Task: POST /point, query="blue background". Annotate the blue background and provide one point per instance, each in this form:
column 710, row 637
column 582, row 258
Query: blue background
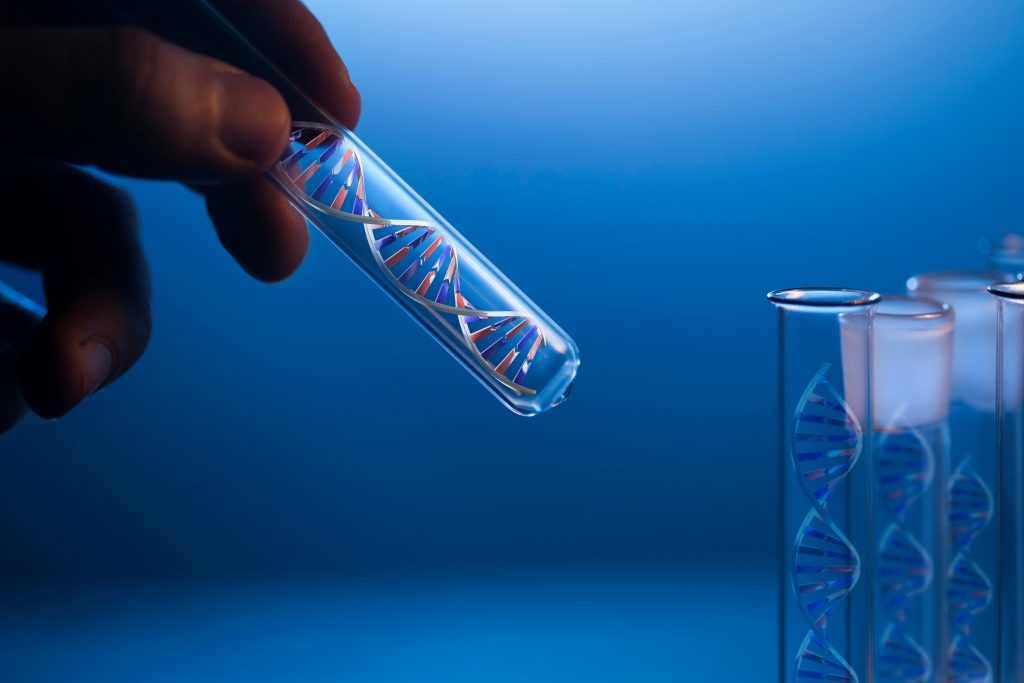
column 645, row 172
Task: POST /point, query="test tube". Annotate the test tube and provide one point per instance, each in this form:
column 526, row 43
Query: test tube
column 428, row 268
column 1010, row 393
column 400, row 242
column 973, row 477
column 825, row 589
column 912, row 366
column 1005, row 253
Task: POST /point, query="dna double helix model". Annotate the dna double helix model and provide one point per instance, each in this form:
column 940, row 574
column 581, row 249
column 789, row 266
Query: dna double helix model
column 826, row 444
column 906, row 469
column 417, row 258
column 971, row 507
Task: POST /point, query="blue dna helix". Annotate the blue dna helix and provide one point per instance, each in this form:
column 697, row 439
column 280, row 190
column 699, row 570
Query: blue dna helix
column 826, row 444
column 906, row 469
column 971, row 508
column 416, row 258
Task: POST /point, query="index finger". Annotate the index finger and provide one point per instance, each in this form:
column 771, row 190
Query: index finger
column 295, row 42
column 277, row 40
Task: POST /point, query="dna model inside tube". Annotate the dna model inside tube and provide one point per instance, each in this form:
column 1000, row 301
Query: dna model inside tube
column 427, row 267
column 972, row 482
column 912, row 369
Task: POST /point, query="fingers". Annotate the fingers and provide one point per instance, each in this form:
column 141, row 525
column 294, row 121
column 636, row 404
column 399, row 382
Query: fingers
column 170, row 117
column 293, row 39
column 285, row 31
column 253, row 218
column 96, row 284
column 130, row 102
column 258, row 227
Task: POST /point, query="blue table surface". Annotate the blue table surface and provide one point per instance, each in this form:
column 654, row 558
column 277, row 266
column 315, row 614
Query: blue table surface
column 625, row 626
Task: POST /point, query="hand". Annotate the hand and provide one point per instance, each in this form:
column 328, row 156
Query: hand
column 149, row 89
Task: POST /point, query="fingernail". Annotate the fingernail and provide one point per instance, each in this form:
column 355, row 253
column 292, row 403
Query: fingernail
column 254, row 118
column 97, row 361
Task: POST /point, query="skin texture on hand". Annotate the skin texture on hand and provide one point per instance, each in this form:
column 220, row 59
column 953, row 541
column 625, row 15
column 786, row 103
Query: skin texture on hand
column 157, row 90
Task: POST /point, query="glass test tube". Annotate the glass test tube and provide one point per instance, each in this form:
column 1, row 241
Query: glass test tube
column 1005, row 253
column 912, row 366
column 1010, row 388
column 430, row 270
column 972, row 480
column 825, row 593
column 333, row 179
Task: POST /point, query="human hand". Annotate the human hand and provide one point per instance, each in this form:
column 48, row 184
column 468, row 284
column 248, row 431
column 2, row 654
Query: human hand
column 150, row 90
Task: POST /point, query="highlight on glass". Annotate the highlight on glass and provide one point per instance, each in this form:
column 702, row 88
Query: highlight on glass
column 912, row 370
column 972, row 572
column 826, row 474
column 1010, row 395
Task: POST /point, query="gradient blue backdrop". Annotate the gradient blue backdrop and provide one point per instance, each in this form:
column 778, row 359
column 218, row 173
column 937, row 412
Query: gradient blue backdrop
column 645, row 171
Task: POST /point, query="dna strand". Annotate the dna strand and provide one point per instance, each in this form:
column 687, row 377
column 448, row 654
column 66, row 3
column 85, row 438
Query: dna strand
column 326, row 171
column 826, row 444
column 906, row 468
column 971, row 507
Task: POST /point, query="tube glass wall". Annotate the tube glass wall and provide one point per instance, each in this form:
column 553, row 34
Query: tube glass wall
column 912, row 366
column 1010, row 387
column 825, row 592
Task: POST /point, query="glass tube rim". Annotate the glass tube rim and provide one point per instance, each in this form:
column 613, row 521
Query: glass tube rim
column 1011, row 292
column 956, row 280
column 933, row 310
column 824, row 297
column 1008, row 247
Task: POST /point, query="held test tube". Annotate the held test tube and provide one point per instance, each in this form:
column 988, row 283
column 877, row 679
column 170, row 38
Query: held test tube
column 418, row 259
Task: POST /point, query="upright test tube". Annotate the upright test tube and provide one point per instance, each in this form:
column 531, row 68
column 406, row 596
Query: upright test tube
column 825, row 592
column 1010, row 392
column 1005, row 253
column 912, row 364
column 972, row 574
